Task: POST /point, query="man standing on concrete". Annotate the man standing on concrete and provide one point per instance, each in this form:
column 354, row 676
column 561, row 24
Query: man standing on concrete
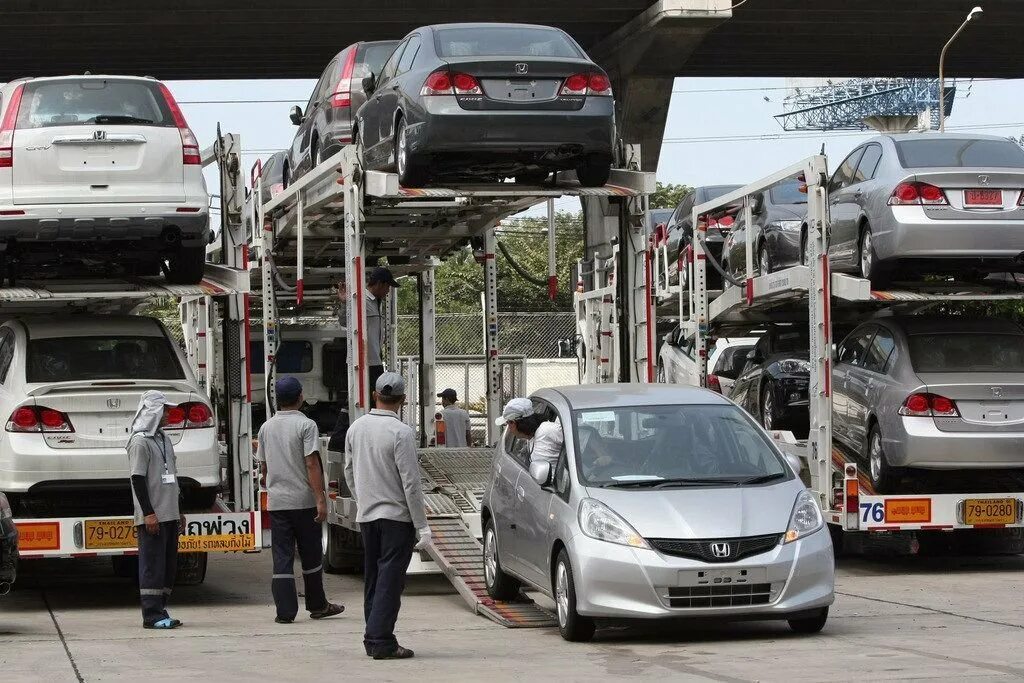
column 456, row 420
column 382, row 471
column 154, row 479
column 289, row 455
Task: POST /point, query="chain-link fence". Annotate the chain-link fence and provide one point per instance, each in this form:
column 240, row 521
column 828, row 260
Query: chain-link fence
column 533, row 335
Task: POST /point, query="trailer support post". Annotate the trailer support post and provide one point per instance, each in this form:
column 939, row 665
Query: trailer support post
column 491, row 333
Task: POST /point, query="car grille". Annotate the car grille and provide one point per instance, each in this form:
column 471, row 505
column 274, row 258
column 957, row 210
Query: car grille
column 704, row 549
column 734, row 595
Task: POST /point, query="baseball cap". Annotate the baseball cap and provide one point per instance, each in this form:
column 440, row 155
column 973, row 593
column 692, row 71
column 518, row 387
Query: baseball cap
column 449, row 394
column 516, row 409
column 287, row 389
column 381, row 274
column 390, row 384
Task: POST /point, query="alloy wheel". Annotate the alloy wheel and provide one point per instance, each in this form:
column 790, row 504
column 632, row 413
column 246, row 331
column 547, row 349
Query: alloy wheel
column 866, row 254
column 768, row 410
column 490, row 558
column 875, row 457
column 763, row 262
column 562, row 594
column 402, row 156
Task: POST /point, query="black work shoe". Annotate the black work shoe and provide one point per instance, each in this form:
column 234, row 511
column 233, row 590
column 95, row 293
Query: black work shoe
column 369, row 652
column 282, row 620
column 329, row 611
column 398, row 652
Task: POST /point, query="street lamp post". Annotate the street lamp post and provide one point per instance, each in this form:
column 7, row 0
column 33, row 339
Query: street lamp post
column 942, row 65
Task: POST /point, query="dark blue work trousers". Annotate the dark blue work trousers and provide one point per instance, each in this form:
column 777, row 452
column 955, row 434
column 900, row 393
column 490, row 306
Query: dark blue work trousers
column 388, row 547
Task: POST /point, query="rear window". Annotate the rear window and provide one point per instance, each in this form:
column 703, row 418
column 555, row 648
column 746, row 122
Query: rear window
column 716, row 191
column 971, row 352
column 76, row 359
column 293, row 357
column 92, row 102
column 791, row 341
column 371, row 59
column 787, row 192
column 504, row 41
column 960, row 153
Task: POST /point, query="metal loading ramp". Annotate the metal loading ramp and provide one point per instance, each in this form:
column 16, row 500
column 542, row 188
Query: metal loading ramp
column 454, row 480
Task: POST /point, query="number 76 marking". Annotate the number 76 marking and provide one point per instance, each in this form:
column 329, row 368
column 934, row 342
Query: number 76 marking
column 876, row 512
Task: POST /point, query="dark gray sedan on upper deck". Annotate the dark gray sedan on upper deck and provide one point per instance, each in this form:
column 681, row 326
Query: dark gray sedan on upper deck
column 488, row 101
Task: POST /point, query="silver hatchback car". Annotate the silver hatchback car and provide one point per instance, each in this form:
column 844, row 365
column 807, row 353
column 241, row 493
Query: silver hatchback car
column 666, row 502
column 932, row 392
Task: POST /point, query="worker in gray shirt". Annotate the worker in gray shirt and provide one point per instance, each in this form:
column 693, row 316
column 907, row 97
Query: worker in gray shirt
column 158, row 519
column 456, row 420
column 383, row 473
column 289, row 455
column 379, row 282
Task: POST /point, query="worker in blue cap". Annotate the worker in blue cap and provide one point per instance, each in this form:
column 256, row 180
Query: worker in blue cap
column 289, row 455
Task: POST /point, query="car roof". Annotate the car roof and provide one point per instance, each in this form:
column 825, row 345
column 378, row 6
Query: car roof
column 120, row 77
column 48, row 327
column 901, row 137
column 951, row 324
column 491, row 24
column 582, row 396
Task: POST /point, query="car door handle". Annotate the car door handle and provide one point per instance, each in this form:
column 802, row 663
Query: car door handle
column 520, row 492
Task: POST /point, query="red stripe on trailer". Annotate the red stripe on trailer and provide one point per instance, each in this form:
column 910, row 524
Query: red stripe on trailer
column 606, row 333
column 245, row 258
column 936, row 527
column 200, row 334
column 885, row 528
column 248, row 346
column 750, row 291
column 85, row 554
column 202, row 366
column 299, row 291
column 488, row 257
column 988, row 526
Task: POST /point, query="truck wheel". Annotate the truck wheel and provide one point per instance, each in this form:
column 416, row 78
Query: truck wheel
column 186, row 266
column 344, row 551
column 500, row 585
column 882, row 475
column 191, row 569
column 810, row 625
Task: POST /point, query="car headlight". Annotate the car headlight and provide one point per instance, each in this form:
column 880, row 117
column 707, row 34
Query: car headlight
column 5, row 508
column 806, row 518
column 794, row 367
column 789, row 225
column 598, row 521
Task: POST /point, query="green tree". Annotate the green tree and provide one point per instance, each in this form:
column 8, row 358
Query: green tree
column 668, row 195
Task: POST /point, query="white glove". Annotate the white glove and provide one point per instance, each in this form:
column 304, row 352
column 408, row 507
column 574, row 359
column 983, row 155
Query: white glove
column 424, row 541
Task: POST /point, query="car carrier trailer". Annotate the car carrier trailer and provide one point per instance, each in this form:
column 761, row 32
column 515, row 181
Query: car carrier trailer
column 338, row 220
column 811, row 294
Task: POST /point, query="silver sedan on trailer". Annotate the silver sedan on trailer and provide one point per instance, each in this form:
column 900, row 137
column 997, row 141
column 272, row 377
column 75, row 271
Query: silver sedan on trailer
column 665, row 502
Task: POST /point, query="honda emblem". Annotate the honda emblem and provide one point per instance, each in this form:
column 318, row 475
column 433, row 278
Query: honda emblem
column 522, row 68
column 983, row 179
column 721, row 550
column 99, row 135
column 997, row 392
column 113, row 403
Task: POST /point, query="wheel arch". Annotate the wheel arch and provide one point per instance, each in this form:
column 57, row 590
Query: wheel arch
column 556, row 549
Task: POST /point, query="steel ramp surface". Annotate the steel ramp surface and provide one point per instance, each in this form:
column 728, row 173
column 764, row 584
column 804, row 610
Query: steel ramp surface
column 460, row 556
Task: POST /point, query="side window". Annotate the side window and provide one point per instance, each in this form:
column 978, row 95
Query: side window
column 844, row 176
column 6, row 354
column 854, row 349
column 879, row 351
column 685, row 208
column 316, row 95
column 517, row 448
column 411, row 49
column 391, row 66
column 868, row 163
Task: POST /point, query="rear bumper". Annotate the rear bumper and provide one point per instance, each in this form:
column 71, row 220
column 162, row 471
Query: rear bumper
column 917, row 442
column 910, row 233
column 448, row 128
column 93, row 222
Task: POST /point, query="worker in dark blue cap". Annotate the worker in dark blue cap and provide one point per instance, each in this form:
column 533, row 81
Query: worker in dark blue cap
column 379, row 282
column 289, row 455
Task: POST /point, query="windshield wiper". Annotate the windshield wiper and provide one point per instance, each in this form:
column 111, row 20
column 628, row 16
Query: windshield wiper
column 762, row 478
column 117, row 118
column 661, row 483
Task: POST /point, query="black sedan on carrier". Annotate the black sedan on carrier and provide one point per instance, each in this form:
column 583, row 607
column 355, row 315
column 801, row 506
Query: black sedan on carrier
column 8, row 546
column 488, row 101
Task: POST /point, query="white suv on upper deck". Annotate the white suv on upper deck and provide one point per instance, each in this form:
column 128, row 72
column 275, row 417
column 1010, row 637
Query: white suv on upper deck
column 100, row 169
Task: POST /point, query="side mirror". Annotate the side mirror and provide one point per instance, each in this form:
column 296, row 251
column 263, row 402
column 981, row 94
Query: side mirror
column 295, row 114
column 794, row 462
column 754, row 357
column 541, row 472
column 758, row 203
column 369, row 84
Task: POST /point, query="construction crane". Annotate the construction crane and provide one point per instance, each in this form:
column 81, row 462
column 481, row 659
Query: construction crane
column 866, row 103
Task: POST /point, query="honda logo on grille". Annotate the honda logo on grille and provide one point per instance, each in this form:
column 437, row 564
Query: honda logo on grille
column 114, row 403
column 99, row 135
column 522, row 68
column 721, row 550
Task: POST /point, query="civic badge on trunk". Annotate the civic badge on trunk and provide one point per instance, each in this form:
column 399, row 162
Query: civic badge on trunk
column 113, row 403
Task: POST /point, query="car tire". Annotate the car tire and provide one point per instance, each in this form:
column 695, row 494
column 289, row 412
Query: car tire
column 185, row 267
column 810, row 625
column 868, row 264
column 314, row 154
column 343, row 553
column 500, row 585
column 573, row 626
column 410, row 173
column 593, row 171
column 286, row 176
column 882, row 475
column 769, row 419
column 357, row 136
column 764, row 260
column 803, row 248
column 191, row 569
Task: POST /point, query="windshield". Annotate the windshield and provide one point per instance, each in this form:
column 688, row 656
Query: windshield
column 663, row 445
column 791, row 341
column 937, row 153
column 967, row 352
column 92, row 101
column 788, row 192
column 76, row 359
column 504, row 41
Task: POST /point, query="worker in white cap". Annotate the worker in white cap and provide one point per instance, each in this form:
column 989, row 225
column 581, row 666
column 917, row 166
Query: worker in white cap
column 545, row 438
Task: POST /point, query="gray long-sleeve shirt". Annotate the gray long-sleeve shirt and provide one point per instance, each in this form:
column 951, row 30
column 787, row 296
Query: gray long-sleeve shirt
column 376, row 327
column 382, row 469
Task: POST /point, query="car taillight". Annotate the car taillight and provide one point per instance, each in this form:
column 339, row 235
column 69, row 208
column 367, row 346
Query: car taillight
column 199, row 415
column 600, row 85
column 7, row 127
column 175, row 417
column 466, row 85
column 342, row 96
column 575, row 85
column 189, row 145
column 917, row 193
column 714, row 384
column 437, row 83
column 928, row 405
column 38, row 419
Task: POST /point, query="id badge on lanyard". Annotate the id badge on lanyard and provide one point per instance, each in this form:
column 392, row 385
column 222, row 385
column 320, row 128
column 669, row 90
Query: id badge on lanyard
column 166, row 477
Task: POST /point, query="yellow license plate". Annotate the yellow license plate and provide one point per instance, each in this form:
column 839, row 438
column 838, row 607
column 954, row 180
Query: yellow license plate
column 106, row 534
column 990, row 511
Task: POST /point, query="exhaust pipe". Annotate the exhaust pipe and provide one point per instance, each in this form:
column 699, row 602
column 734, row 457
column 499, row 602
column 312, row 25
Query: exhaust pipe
column 5, row 587
column 172, row 235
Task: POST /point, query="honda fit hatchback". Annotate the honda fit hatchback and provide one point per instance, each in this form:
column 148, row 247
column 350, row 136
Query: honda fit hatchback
column 100, row 170
column 665, row 502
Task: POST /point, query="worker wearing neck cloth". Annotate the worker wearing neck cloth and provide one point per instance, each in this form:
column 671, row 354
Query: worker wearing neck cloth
column 158, row 519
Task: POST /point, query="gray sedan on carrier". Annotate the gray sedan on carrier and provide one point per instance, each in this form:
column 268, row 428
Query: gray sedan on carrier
column 665, row 502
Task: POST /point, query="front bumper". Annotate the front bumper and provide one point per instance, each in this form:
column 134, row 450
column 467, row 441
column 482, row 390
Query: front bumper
column 911, row 233
column 448, row 128
column 918, row 442
column 107, row 222
column 26, row 461
column 615, row 581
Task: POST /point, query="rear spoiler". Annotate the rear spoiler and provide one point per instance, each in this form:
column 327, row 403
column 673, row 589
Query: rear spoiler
column 107, row 385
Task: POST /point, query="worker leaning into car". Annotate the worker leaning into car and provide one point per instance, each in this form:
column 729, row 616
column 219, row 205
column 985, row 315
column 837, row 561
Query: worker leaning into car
column 158, row 519
column 545, row 438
